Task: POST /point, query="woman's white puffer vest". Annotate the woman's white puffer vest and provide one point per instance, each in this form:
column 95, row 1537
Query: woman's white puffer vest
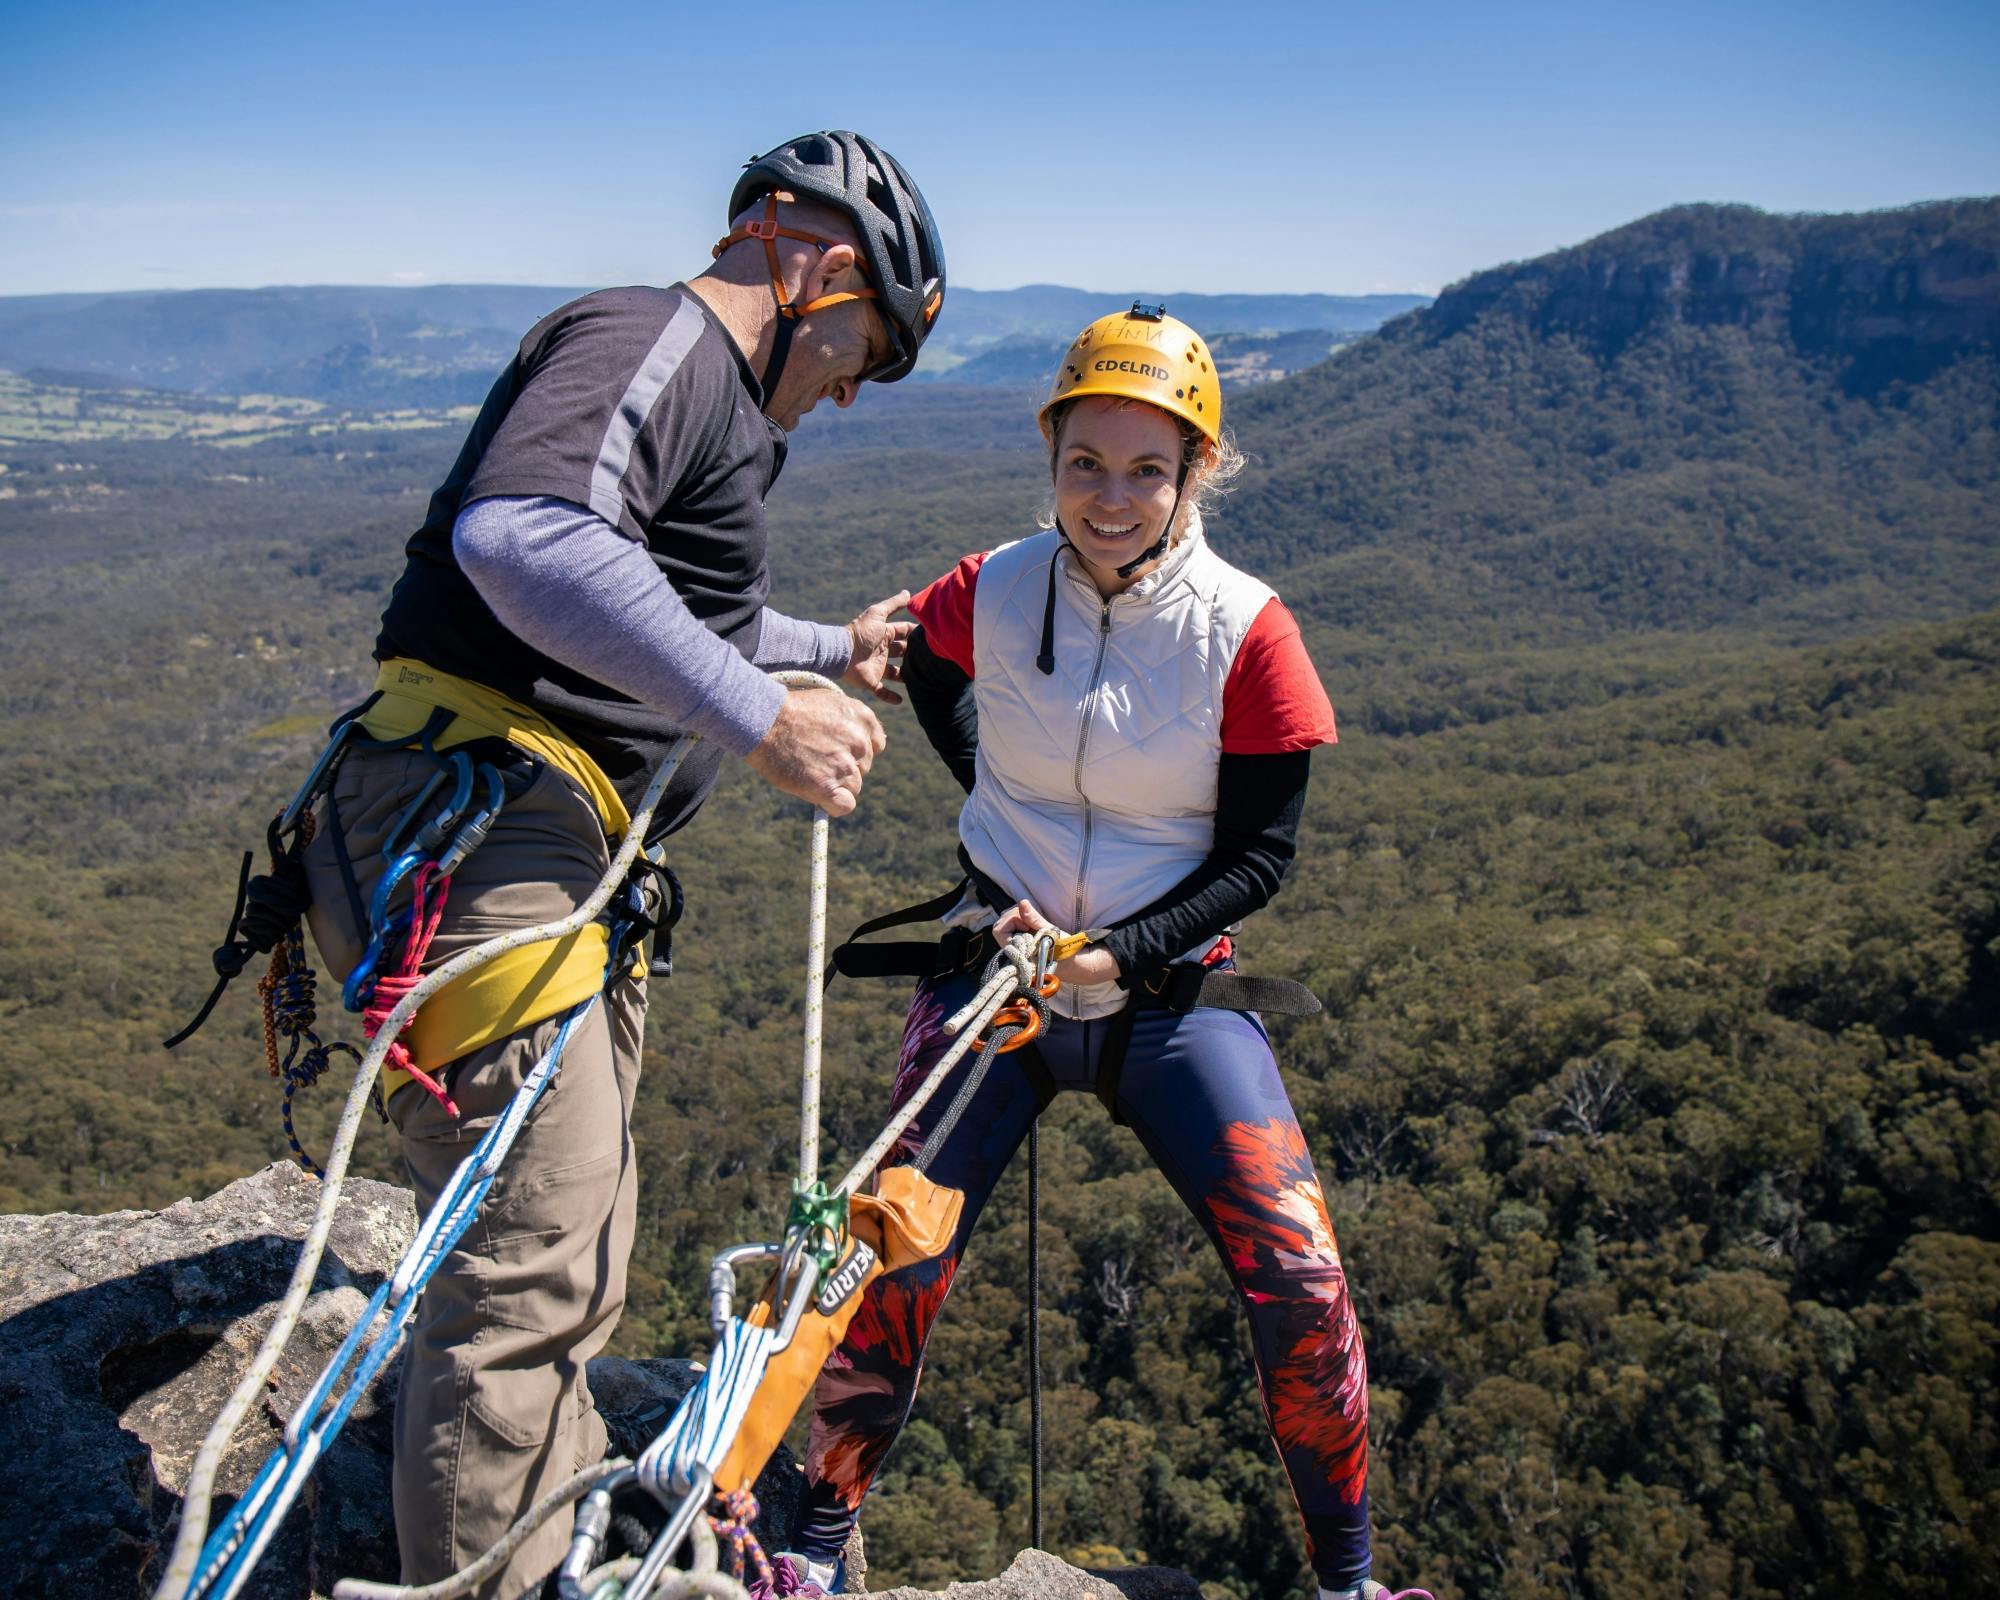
column 1096, row 784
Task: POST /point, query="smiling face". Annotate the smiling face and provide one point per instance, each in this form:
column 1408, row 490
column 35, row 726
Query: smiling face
column 1117, row 463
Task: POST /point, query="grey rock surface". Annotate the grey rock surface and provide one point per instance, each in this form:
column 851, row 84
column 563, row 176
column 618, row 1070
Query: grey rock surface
column 1036, row 1575
column 122, row 1335
column 120, row 1338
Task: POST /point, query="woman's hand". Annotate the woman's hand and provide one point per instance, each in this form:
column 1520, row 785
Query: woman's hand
column 1092, row 964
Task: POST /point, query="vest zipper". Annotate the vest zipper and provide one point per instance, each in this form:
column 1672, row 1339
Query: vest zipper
column 1076, row 776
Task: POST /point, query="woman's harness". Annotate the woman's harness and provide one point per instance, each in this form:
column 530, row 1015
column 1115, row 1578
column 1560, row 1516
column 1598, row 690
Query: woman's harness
column 1179, row 987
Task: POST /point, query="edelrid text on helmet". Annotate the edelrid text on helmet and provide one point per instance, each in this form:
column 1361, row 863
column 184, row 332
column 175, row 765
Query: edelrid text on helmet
column 1141, row 354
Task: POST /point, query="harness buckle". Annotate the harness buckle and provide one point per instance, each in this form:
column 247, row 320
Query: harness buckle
column 766, row 229
column 1182, row 990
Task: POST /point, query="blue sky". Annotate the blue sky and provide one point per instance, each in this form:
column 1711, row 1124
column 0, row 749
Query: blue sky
column 1199, row 147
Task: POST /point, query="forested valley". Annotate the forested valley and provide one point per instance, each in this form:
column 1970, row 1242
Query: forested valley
column 1653, row 890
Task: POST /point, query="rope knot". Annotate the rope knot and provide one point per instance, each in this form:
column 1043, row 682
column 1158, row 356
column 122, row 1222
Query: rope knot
column 737, row 1510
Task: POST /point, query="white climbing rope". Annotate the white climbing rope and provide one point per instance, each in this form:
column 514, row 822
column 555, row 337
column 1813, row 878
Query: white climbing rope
column 977, row 1012
column 682, row 1460
column 468, row 1578
column 177, row 1583
column 815, row 971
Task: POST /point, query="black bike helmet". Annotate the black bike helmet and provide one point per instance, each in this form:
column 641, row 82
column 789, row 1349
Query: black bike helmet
column 899, row 237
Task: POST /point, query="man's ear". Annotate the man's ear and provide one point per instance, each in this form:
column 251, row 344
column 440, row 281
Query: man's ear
column 832, row 264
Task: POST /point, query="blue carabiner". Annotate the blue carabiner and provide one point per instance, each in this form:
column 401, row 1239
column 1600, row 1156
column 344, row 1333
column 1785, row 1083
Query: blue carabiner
column 382, row 928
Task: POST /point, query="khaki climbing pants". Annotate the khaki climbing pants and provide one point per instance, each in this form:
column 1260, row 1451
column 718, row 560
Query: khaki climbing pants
column 493, row 1409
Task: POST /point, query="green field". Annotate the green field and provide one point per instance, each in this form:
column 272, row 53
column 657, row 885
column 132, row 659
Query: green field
column 33, row 412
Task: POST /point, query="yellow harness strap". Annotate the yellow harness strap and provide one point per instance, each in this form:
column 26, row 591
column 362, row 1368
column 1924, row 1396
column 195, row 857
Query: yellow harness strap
column 523, row 986
column 908, row 1219
column 411, row 691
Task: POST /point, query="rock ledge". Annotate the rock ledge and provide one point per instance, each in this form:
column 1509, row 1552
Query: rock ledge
column 122, row 1335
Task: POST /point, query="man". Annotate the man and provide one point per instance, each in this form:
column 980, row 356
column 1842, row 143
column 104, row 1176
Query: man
column 590, row 581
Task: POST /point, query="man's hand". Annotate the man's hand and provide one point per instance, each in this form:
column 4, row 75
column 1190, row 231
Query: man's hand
column 820, row 749
column 1091, row 964
column 878, row 646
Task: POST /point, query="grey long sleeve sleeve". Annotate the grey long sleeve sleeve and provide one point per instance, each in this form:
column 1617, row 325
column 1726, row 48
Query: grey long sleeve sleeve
column 567, row 582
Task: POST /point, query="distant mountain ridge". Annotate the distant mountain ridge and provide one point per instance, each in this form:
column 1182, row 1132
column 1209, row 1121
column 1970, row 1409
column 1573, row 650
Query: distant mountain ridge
column 442, row 344
column 1711, row 417
column 1896, row 294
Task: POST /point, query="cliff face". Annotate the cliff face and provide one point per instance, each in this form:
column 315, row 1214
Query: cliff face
column 121, row 1336
column 1888, row 296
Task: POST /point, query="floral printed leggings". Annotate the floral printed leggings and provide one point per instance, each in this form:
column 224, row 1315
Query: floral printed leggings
column 1202, row 1092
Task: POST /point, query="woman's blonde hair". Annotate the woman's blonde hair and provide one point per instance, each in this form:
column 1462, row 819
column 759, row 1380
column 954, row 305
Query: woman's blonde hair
column 1212, row 467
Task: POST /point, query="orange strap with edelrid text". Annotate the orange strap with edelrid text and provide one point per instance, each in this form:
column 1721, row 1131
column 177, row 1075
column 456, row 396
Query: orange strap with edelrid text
column 906, row 1220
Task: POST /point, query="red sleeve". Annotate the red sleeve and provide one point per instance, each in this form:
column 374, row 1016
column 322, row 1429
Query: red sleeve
column 1272, row 700
column 945, row 612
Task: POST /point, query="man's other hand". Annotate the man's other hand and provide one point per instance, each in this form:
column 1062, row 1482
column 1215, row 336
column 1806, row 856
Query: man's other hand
column 820, row 748
column 878, row 647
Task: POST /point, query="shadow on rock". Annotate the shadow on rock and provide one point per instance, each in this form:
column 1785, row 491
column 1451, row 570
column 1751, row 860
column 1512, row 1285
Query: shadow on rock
column 120, row 1338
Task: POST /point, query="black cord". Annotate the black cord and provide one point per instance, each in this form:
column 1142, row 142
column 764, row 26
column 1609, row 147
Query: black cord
column 1035, row 1328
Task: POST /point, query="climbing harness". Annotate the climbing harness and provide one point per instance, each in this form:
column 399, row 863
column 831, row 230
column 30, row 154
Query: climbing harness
column 202, row 1564
column 1180, row 986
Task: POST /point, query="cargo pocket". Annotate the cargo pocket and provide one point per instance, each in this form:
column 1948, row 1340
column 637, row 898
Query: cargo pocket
column 520, row 1408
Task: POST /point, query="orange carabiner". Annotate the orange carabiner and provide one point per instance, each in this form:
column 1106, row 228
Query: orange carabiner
column 1015, row 1014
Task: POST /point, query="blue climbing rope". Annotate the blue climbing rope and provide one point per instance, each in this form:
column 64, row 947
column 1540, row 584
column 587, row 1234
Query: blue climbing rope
column 239, row 1539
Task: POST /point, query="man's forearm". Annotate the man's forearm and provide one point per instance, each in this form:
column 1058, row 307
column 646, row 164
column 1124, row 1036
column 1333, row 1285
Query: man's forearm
column 792, row 642
column 564, row 580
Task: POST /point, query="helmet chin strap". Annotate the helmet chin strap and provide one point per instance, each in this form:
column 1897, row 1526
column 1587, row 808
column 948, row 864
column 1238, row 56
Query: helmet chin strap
column 788, row 314
column 1159, row 545
column 781, row 348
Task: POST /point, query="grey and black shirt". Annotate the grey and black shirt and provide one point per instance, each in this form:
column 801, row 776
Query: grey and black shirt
column 635, row 404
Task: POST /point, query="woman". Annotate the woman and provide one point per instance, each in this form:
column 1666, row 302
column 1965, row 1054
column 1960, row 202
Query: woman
column 1133, row 720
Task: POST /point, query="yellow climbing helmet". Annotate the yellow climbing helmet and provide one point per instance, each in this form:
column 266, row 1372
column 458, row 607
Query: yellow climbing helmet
column 1141, row 354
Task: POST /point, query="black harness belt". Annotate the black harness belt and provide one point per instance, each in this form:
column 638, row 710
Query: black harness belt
column 910, row 958
column 1181, row 987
